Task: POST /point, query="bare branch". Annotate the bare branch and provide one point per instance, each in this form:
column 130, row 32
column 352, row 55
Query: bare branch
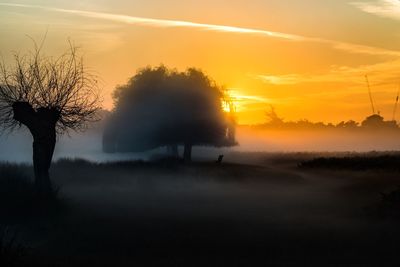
column 62, row 84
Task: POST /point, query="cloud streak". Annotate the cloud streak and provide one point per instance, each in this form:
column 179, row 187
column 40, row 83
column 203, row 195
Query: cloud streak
column 387, row 72
column 163, row 23
column 383, row 8
column 244, row 101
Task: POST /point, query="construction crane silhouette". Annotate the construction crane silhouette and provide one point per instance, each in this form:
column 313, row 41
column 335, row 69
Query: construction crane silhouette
column 370, row 94
column 396, row 104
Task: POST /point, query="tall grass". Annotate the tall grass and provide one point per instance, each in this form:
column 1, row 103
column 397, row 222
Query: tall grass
column 356, row 163
column 12, row 253
column 18, row 197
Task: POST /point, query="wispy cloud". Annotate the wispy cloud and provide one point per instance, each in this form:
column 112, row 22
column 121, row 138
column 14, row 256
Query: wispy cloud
column 160, row 22
column 286, row 79
column 152, row 22
column 383, row 8
column 386, row 73
column 292, row 79
column 244, row 101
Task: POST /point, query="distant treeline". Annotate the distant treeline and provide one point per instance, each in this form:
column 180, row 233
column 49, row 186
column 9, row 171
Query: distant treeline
column 373, row 122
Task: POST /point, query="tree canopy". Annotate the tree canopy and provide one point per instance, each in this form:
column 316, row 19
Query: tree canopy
column 161, row 107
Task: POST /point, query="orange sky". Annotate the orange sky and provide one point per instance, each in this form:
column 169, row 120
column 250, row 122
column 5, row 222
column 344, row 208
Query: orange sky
column 307, row 58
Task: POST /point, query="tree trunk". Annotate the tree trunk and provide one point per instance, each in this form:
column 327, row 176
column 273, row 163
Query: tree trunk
column 42, row 125
column 42, row 155
column 187, row 153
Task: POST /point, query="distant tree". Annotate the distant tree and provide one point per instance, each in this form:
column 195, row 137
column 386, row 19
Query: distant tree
column 376, row 121
column 162, row 107
column 351, row 124
column 49, row 96
column 272, row 118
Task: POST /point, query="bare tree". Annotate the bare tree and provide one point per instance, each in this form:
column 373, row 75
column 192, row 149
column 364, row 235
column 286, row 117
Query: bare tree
column 49, row 96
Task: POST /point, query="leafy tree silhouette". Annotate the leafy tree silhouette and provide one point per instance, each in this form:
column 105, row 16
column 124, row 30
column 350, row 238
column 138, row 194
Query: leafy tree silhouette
column 49, row 96
column 163, row 107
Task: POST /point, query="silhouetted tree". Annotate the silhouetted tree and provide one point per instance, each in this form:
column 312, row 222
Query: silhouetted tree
column 48, row 96
column 162, row 107
column 272, row 118
column 377, row 122
column 351, row 124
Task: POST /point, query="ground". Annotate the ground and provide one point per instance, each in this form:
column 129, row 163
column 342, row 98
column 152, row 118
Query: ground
column 255, row 209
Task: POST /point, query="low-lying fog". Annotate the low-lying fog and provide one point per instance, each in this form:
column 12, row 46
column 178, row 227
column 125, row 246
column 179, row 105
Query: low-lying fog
column 320, row 140
column 130, row 212
column 17, row 146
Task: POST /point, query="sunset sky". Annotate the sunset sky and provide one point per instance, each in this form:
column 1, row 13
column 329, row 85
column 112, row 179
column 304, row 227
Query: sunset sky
column 307, row 58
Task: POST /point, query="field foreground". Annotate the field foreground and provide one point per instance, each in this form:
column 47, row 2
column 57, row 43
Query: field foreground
column 267, row 210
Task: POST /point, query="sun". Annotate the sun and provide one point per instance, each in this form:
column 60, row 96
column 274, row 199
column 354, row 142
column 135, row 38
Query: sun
column 240, row 101
column 232, row 99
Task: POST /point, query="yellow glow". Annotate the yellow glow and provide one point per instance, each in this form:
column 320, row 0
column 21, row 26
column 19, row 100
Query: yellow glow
column 241, row 101
column 307, row 63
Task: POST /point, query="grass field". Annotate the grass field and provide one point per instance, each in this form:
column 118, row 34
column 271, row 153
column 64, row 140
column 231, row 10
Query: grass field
column 255, row 209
